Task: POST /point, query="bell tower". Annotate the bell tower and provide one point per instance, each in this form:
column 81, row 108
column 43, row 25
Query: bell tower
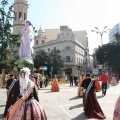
column 20, row 15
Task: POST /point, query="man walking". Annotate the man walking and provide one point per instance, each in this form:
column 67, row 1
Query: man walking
column 71, row 80
column 105, row 79
column 75, row 79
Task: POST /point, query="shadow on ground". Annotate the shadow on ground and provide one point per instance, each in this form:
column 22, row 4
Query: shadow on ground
column 77, row 97
column 99, row 96
column 1, row 116
column 80, row 117
column 76, row 106
column 48, row 92
column 2, row 105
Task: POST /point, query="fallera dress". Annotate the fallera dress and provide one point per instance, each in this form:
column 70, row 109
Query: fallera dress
column 91, row 106
column 25, row 103
column 116, row 114
column 55, row 86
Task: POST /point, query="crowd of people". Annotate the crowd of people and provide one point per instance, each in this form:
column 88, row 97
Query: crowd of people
column 22, row 92
column 18, row 98
column 22, row 99
column 87, row 88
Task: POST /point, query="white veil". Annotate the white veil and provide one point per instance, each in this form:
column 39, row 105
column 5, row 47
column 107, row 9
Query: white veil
column 25, row 82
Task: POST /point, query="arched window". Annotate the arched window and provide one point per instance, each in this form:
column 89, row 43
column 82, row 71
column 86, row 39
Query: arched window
column 20, row 16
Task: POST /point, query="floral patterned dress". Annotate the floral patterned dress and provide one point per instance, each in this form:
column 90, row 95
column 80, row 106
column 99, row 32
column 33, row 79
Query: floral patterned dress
column 26, row 108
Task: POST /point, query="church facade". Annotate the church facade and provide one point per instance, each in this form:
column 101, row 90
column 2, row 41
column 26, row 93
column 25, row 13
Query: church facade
column 20, row 15
column 72, row 44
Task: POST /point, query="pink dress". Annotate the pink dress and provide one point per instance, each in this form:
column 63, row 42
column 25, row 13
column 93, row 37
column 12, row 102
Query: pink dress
column 116, row 114
column 27, row 107
column 55, row 86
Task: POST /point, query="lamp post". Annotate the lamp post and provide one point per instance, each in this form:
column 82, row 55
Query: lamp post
column 100, row 32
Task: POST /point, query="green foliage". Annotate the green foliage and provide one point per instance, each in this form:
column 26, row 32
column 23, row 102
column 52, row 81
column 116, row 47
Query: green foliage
column 7, row 64
column 53, row 59
column 109, row 55
column 7, row 40
column 24, row 62
column 40, row 59
column 117, row 36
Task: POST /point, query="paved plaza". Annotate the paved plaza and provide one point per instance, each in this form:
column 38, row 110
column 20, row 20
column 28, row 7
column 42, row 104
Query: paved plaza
column 66, row 105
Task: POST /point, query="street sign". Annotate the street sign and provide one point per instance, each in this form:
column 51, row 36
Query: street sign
column 45, row 68
column 41, row 67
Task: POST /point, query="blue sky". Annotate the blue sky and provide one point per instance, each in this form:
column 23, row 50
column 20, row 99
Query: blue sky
column 77, row 14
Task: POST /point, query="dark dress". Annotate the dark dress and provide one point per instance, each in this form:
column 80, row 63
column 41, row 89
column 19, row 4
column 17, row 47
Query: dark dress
column 30, row 109
column 91, row 106
column 9, row 96
column 75, row 78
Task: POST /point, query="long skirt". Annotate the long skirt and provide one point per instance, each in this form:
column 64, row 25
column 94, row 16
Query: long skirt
column 97, row 86
column 29, row 110
column 116, row 114
column 8, row 103
column 92, row 108
column 55, row 87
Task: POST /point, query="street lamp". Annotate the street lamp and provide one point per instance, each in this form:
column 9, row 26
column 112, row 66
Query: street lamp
column 100, row 32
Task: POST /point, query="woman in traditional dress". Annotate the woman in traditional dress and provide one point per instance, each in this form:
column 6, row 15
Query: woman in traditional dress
column 80, row 90
column 97, row 84
column 113, row 81
column 91, row 106
column 55, row 86
column 25, row 49
column 25, row 101
column 116, row 114
column 10, row 90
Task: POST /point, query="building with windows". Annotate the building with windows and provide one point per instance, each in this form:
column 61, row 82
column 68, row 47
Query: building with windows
column 20, row 15
column 72, row 44
column 115, row 30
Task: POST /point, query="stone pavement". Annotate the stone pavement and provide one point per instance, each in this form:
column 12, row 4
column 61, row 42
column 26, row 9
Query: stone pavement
column 66, row 105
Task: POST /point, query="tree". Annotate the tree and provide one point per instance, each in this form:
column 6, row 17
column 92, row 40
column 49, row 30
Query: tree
column 4, row 27
column 52, row 59
column 55, row 61
column 40, row 59
column 117, row 36
column 109, row 55
column 7, row 40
